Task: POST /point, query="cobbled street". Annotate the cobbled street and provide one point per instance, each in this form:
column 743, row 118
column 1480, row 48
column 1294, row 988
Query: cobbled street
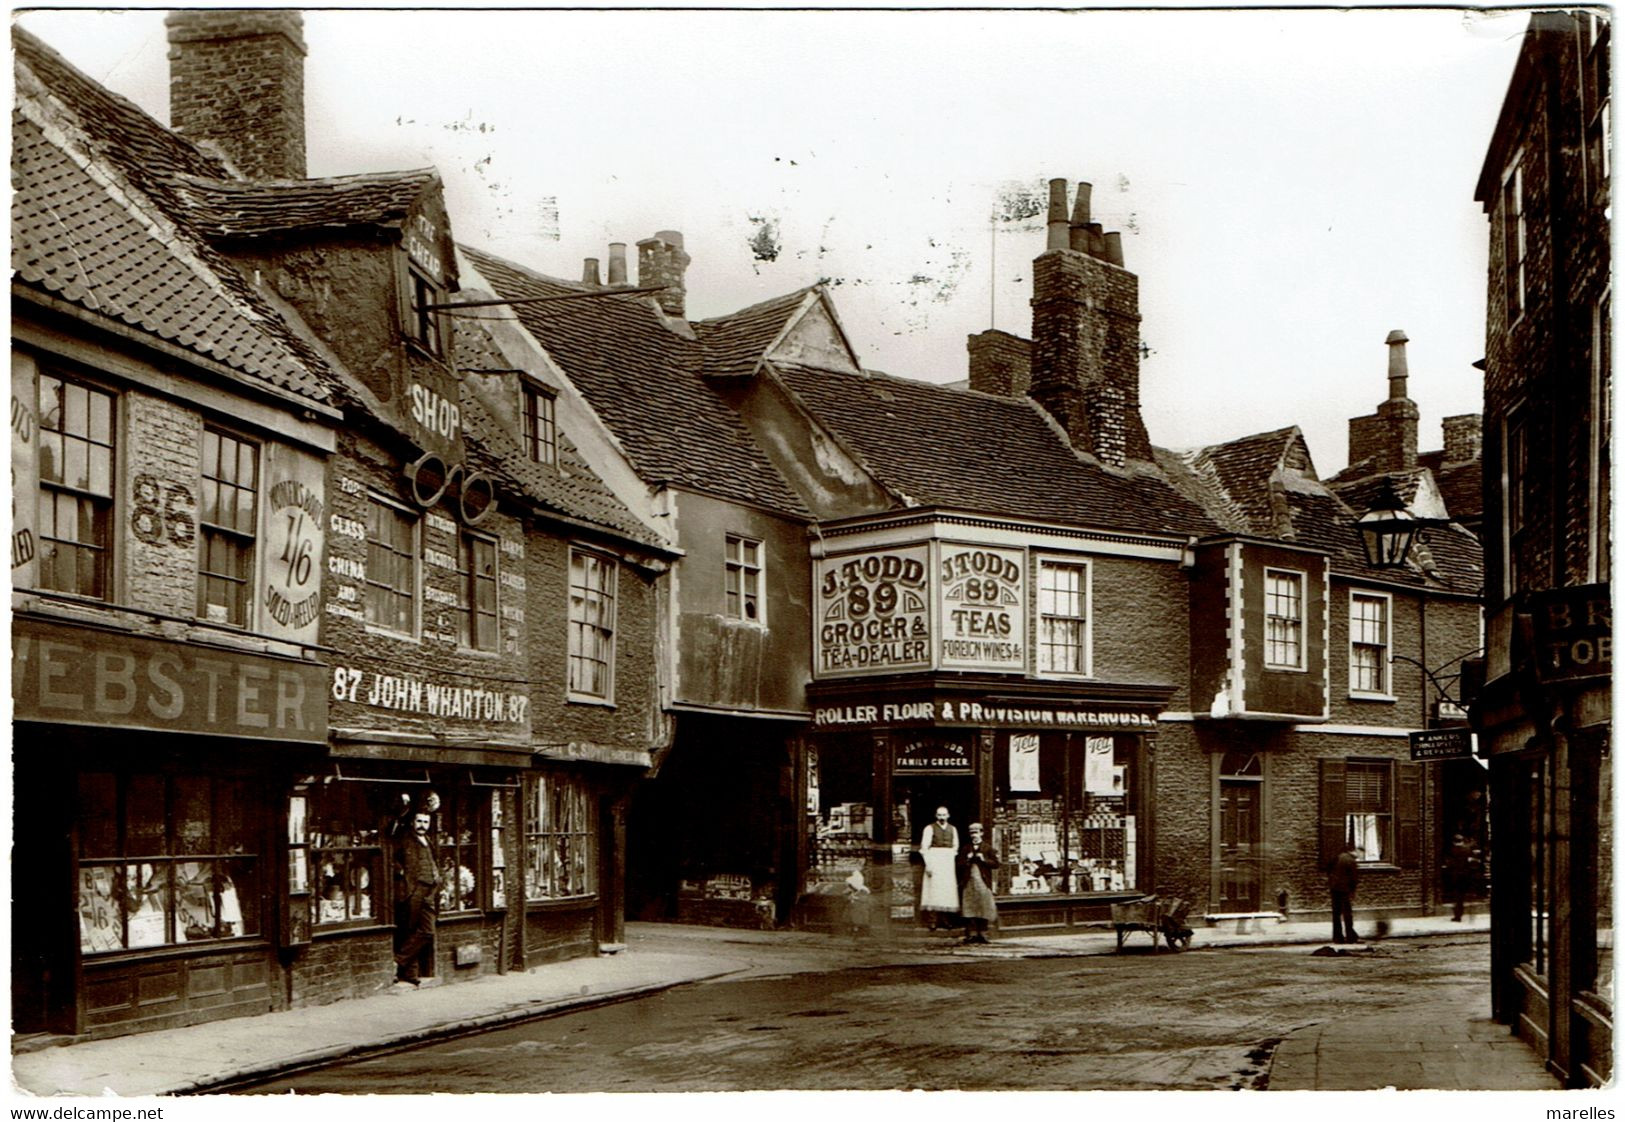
column 1206, row 1019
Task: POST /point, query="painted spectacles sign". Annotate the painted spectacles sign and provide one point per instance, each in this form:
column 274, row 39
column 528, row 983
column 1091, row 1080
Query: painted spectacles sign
column 873, row 612
column 983, row 608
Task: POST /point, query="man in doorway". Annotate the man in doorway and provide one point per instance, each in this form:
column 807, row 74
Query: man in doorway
column 1459, row 868
column 1342, row 879
column 939, row 889
column 417, row 901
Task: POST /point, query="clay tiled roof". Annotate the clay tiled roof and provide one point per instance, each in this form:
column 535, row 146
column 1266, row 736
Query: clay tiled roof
column 735, row 344
column 971, row 451
column 94, row 221
column 644, row 380
column 234, row 208
column 570, row 489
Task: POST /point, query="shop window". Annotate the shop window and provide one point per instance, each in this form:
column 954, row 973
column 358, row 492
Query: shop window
column 392, row 574
column 1368, row 643
column 76, row 486
column 477, row 623
column 1597, row 80
column 592, row 625
column 228, row 520
column 1063, row 595
column 457, row 834
column 540, row 435
column 1515, row 243
column 346, row 840
column 742, row 570
column 1537, row 776
column 559, row 861
column 1283, row 620
column 1063, row 818
column 164, row 860
column 840, row 815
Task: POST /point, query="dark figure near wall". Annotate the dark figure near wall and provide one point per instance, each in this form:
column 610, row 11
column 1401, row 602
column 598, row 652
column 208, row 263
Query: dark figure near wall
column 417, row 901
column 976, row 864
column 1460, row 870
column 1341, row 880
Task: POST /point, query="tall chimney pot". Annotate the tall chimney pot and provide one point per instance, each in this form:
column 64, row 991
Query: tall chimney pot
column 589, row 273
column 1398, row 371
column 1097, row 240
column 1059, row 238
column 1114, row 248
column 1080, row 219
column 617, row 264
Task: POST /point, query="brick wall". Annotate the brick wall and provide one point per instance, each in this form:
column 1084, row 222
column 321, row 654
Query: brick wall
column 341, row 967
column 1387, row 437
column 1000, row 363
column 157, row 504
column 1086, row 353
column 662, row 261
column 237, row 79
column 1140, row 629
column 1463, row 437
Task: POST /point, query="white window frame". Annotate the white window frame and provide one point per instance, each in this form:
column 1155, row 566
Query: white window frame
column 1086, row 592
column 1513, row 209
column 467, row 589
column 572, row 645
column 1385, row 690
column 1302, row 620
column 734, row 567
column 416, row 633
column 541, row 447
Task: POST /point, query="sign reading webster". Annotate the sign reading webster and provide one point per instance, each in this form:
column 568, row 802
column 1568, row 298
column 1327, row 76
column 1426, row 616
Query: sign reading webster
column 74, row 676
column 873, row 614
column 983, row 608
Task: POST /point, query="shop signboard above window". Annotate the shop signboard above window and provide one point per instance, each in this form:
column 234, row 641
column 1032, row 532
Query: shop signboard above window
column 984, row 713
column 983, row 602
column 932, row 756
column 1441, row 744
column 873, row 612
column 1574, row 634
column 79, row 676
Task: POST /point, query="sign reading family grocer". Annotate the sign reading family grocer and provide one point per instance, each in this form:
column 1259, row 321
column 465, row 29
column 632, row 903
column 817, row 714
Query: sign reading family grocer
column 873, row 612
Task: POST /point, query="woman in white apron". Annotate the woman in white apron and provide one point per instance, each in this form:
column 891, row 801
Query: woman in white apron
column 939, row 891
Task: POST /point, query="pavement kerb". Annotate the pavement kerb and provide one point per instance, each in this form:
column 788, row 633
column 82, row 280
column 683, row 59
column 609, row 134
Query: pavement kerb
column 445, row 1030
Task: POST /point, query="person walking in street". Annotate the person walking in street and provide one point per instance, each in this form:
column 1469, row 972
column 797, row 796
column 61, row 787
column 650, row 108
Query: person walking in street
column 939, row 889
column 417, row 901
column 1342, row 879
column 976, row 865
column 1459, row 868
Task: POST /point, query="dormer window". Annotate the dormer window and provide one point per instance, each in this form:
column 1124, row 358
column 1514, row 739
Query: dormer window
column 422, row 323
column 541, row 438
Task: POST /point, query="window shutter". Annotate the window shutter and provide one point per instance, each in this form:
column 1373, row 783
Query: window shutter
column 1410, row 815
column 403, row 296
column 1333, row 774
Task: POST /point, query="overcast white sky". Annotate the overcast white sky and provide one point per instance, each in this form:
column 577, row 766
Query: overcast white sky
column 1290, row 185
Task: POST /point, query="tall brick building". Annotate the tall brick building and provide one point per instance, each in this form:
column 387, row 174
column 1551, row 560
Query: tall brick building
column 1545, row 712
column 296, row 548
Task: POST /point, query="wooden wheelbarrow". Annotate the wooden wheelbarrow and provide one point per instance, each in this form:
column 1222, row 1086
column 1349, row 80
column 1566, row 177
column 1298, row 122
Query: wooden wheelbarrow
column 1156, row 916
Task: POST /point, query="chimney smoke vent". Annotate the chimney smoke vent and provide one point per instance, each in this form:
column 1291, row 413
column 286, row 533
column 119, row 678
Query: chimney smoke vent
column 1059, row 237
column 589, row 273
column 1114, row 248
column 617, row 264
column 1398, row 369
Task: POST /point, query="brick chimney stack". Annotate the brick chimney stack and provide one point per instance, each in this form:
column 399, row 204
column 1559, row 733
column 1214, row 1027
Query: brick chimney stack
column 1463, row 438
column 237, row 80
column 1086, row 336
column 662, row 261
column 1388, row 437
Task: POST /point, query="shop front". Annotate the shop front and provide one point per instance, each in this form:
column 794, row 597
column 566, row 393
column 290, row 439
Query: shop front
column 1060, row 779
column 147, row 852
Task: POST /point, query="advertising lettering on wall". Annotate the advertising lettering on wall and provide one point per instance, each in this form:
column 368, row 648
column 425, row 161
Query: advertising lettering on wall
column 983, row 608
column 24, row 469
column 73, row 676
column 984, row 714
column 873, row 616
column 295, row 535
column 431, row 698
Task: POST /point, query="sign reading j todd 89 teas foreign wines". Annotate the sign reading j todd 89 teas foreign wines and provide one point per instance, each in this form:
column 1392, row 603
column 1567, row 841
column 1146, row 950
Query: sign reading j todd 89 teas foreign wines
column 983, row 608
column 873, row 612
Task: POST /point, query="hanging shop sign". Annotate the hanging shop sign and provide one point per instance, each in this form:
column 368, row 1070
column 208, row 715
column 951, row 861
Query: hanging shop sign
column 873, row 613
column 932, row 756
column 76, row 676
column 983, row 608
column 24, row 469
column 982, row 714
column 1441, row 744
column 1574, row 633
column 295, row 535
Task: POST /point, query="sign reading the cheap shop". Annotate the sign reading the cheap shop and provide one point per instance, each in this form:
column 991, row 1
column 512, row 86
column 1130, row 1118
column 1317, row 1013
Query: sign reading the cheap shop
column 873, row 612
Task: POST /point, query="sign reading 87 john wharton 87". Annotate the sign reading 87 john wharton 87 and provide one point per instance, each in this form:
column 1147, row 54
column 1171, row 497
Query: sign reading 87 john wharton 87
column 873, row 612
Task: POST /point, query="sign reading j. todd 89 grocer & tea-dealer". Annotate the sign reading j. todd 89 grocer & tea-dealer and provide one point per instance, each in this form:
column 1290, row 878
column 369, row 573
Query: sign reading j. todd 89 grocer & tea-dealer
column 873, row 612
